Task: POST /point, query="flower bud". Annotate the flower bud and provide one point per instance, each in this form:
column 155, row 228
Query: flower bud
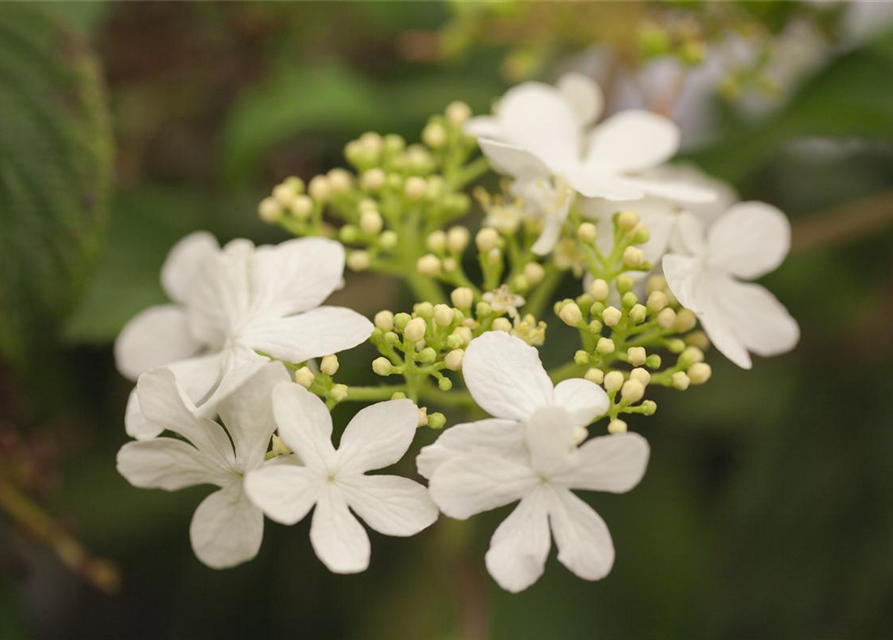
column 358, row 260
column 636, row 356
column 388, row 239
column 681, row 380
column 382, row 366
column 595, row 375
column 649, row 407
column 450, row 265
column 304, row 377
column 633, row 257
column 443, row 315
column 329, row 365
column 640, row 234
column 580, row 434
column 686, row 320
column 595, row 327
column 690, row 356
column 627, row 220
column 502, row 324
column 428, row 265
column 483, row 309
column 463, row 297
column 616, row 426
column 338, row 393
column 373, row 180
column 487, row 239
column 653, row 361
column 613, row 381
column 401, row 320
column 699, row 372
column 319, row 188
column 581, row 357
column 434, row 135
column 641, row 375
column 586, row 233
column 415, row 188
column 534, row 272
column 436, row 420
column 301, row 206
column 629, row 299
column 436, row 241
column 457, row 113
column 444, row 384
column 391, row 338
column 427, row 355
column 340, row 181
column 279, row 448
column 424, row 310
column 453, row 359
column 393, row 143
column 415, row 330
column 611, row 316
column 457, row 239
column 348, row 233
column 423, row 416
column 666, row 318
column 625, row 282
column 698, row 339
column 657, row 301
column 269, row 209
column 571, row 315
column 371, row 222
column 638, row 313
column 599, row 290
column 656, row 283
column 632, row 391
column 605, row 346
column 454, row 341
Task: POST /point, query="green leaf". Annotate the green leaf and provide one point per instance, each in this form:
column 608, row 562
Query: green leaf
column 55, row 172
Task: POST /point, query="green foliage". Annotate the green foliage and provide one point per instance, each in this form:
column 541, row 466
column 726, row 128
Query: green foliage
column 55, row 169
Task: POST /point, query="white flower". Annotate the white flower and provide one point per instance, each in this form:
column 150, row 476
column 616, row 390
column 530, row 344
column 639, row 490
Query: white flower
column 527, row 452
column 661, row 216
column 504, row 301
column 230, row 305
column 226, row 529
column 336, row 481
column 748, row 241
column 539, row 131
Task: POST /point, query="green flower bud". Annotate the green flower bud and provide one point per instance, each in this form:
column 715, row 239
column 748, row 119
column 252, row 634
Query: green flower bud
column 444, row 384
column 427, row 355
column 436, row 420
column 401, row 320
column 581, row 357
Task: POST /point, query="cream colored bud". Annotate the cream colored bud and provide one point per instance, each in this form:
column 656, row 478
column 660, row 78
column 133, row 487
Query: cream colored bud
column 502, row 324
column 595, row 375
column 494, row 256
column 443, row 315
column 319, row 188
column 436, row 241
column 284, row 193
column 269, row 209
column 329, row 365
column 681, row 380
column 587, row 233
column 301, row 206
column 641, row 375
column 698, row 339
column 636, row 356
column 457, row 113
column 686, row 320
column 382, row 366
column 450, row 265
column 462, row 298
column 434, row 135
column 358, row 260
column 611, row 316
column 423, row 416
column 453, row 359
column 340, row 181
column 633, row 256
column 384, row 320
column 657, row 301
column 304, row 377
column 632, row 391
column 699, row 372
column 487, row 239
column 571, row 315
column 616, row 427
column 457, row 239
column 415, row 330
column 279, row 447
column 613, row 381
column 464, row 333
column 627, row 220
column 371, row 222
column 599, row 290
column 373, row 180
column 638, row 313
column 657, row 283
column 666, row 318
column 534, row 272
column 338, row 393
column 415, row 188
column 388, row 239
column 371, row 142
column 604, row 346
column 428, row 265
column 580, row 435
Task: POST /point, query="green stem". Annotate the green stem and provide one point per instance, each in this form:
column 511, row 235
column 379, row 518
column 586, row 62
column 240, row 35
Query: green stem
column 564, row 372
column 542, row 294
column 384, row 392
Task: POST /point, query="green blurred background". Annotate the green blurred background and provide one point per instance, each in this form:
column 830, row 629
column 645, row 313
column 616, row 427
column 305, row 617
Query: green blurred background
column 767, row 510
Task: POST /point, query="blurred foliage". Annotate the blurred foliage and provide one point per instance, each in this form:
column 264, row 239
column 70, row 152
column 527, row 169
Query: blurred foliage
column 767, row 509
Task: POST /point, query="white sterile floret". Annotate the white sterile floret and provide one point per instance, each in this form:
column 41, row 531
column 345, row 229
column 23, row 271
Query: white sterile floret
column 748, row 241
column 528, row 451
column 232, row 304
column 227, row 528
column 335, row 480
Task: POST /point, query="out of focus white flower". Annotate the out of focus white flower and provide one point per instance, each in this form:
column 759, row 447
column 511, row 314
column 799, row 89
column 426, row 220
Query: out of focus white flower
column 748, row 241
column 230, row 304
column 528, row 452
column 226, row 529
column 335, row 481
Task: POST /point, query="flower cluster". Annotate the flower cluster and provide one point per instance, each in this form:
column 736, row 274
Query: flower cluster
column 237, row 377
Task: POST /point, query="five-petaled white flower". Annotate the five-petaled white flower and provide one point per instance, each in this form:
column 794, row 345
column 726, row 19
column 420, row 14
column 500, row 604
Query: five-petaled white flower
column 335, row 481
column 528, row 452
column 230, row 305
column 543, row 135
column 227, row 529
column 748, row 241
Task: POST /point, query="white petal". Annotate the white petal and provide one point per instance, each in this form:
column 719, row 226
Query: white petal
column 582, row 399
column 338, row 538
column 477, row 482
column 690, row 237
column 497, row 437
column 505, row 376
column 519, row 547
column 582, row 537
column 536, row 117
column 198, row 376
column 633, row 141
column 378, row 436
column 584, row 96
column 550, row 435
column 163, row 403
column 595, row 182
column 305, row 424
column 296, row 275
column 316, row 333
column 184, row 263
column 722, row 336
column 673, row 191
column 750, row 239
column 512, row 160
column 166, row 463
column 391, row 505
column 227, row 529
column 549, row 236
column 135, row 423
column 237, row 365
column 285, row 492
column 153, row 338
column 484, row 127
column 607, row 463
column 220, row 298
column 683, row 274
column 248, row 414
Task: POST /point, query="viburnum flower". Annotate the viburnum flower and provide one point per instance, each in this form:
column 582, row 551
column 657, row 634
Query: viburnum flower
column 231, row 306
column 227, row 529
column 502, row 300
column 542, row 137
column 529, row 452
column 748, row 241
column 335, row 481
